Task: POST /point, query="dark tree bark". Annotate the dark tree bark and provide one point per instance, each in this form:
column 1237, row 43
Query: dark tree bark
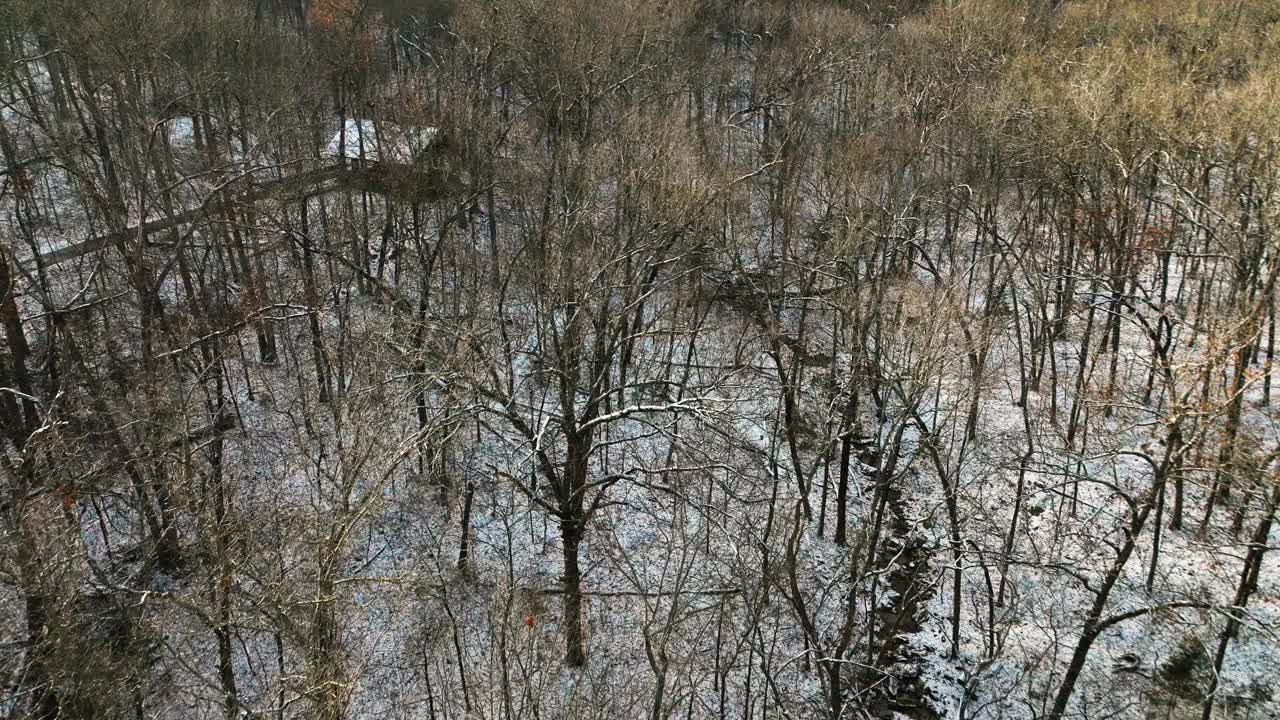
column 1247, row 585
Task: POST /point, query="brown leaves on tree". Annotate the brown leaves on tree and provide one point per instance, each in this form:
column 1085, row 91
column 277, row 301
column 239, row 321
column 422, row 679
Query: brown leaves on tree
column 345, row 33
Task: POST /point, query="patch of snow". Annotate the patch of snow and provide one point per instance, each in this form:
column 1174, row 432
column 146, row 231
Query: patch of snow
column 376, row 141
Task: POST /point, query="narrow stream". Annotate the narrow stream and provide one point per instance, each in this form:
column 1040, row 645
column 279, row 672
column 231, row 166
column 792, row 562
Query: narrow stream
column 903, row 693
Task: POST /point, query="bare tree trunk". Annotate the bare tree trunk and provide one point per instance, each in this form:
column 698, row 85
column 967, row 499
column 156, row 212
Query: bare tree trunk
column 1244, row 590
column 570, row 539
column 464, row 545
column 842, row 490
column 1093, row 623
column 312, row 295
column 1223, row 474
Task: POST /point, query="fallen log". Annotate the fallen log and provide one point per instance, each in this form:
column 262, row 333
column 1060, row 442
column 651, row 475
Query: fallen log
column 398, row 182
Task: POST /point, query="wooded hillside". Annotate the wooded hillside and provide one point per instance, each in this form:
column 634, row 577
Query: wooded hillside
column 559, row 359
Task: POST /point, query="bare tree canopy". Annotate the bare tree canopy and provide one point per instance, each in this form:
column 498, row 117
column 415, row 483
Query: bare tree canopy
column 579, row 359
